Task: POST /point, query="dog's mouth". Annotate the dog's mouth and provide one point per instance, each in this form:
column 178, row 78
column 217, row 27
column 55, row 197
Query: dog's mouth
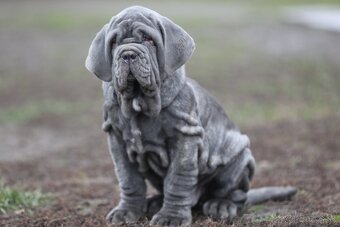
column 135, row 89
column 136, row 93
column 132, row 88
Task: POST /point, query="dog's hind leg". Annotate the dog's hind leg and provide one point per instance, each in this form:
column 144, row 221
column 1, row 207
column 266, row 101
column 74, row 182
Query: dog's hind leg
column 228, row 190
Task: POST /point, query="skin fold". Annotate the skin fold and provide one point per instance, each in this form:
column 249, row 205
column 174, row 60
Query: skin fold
column 164, row 127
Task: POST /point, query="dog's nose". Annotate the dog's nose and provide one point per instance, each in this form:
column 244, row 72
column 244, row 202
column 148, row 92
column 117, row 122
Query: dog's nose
column 129, row 56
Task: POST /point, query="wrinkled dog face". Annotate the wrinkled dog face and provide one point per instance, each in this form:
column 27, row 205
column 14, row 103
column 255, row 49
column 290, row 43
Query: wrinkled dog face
column 136, row 51
column 135, row 69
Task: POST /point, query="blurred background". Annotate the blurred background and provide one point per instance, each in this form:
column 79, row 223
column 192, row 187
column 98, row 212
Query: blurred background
column 273, row 65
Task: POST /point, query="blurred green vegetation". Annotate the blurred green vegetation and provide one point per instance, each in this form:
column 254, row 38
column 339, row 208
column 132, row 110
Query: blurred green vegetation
column 13, row 199
column 336, row 217
column 44, row 45
column 53, row 20
column 268, row 217
column 35, row 109
column 296, row 2
column 281, row 2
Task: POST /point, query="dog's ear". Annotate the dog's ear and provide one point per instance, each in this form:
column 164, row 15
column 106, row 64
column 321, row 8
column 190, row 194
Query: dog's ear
column 99, row 58
column 178, row 45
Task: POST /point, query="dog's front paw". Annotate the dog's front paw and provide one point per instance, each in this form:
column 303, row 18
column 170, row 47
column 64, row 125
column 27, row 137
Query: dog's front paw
column 122, row 215
column 163, row 218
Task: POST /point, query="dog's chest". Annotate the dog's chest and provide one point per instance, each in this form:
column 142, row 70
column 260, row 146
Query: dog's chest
column 146, row 144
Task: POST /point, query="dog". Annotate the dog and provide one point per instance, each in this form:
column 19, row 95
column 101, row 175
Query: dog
column 165, row 128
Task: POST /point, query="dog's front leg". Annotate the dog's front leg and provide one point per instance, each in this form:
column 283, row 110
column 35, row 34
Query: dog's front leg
column 179, row 184
column 132, row 203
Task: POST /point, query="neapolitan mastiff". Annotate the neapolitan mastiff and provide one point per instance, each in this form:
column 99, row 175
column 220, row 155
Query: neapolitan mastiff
column 164, row 127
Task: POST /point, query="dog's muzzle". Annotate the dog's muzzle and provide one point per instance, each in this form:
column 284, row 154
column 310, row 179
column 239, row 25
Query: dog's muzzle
column 132, row 62
column 135, row 77
column 135, row 70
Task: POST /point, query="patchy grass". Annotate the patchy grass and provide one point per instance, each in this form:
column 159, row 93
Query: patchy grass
column 268, row 217
column 31, row 111
column 256, row 208
column 335, row 217
column 271, row 3
column 271, row 89
column 332, row 165
column 53, row 20
column 299, row 2
column 248, row 113
column 13, row 199
column 58, row 21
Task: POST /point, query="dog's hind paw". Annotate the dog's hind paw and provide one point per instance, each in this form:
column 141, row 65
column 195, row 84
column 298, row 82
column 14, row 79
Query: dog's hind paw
column 220, row 209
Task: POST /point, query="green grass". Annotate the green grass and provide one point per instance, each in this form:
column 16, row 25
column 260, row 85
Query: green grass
column 331, row 218
column 298, row 2
column 255, row 114
column 337, row 217
column 282, row 2
column 55, row 21
column 256, row 208
column 265, row 217
column 61, row 17
column 13, row 199
column 51, row 19
column 31, row 111
column 268, row 217
column 273, row 89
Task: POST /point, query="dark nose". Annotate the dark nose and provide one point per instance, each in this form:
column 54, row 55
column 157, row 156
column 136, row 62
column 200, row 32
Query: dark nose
column 129, row 56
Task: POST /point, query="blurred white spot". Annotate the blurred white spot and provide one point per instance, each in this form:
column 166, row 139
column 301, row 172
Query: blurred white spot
column 135, row 105
column 318, row 17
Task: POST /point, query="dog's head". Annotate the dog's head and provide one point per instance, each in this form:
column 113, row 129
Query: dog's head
column 141, row 53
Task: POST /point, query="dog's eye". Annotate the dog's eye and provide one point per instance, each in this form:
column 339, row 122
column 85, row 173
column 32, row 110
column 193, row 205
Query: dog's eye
column 147, row 39
column 113, row 41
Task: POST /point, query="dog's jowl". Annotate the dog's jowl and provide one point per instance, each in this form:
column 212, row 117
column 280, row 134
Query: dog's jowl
column 164, row 127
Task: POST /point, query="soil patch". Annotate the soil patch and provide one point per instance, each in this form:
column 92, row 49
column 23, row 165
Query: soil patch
column 304, row 154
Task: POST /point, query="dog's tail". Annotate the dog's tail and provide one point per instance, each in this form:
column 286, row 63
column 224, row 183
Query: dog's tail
column 260, row 195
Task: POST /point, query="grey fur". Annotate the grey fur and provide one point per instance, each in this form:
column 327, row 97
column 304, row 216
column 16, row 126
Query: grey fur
column 164, row 127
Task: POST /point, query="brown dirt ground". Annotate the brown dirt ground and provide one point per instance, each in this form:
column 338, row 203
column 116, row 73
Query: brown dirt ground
column 288, row 153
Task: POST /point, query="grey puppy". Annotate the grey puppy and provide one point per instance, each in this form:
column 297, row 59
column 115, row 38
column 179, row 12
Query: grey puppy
column 164, row 127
